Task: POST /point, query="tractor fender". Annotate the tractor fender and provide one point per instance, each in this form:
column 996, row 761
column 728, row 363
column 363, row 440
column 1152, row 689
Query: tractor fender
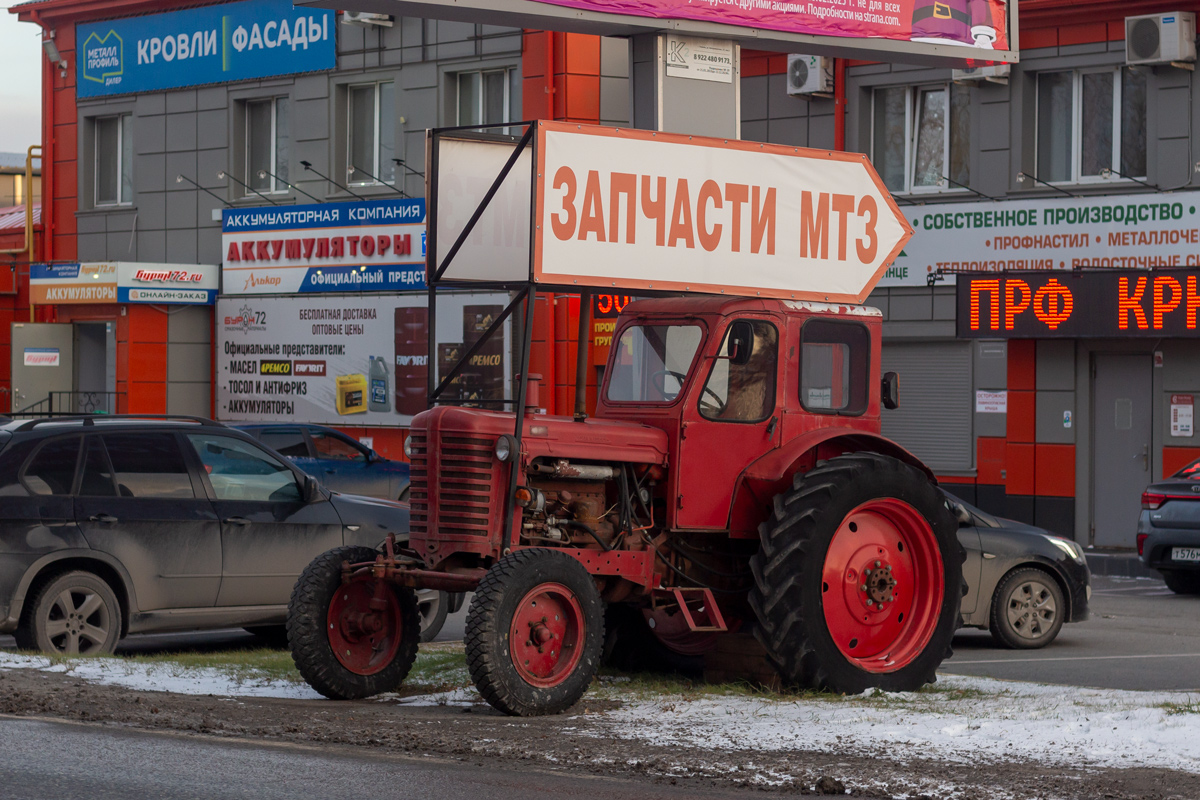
column 773, row 472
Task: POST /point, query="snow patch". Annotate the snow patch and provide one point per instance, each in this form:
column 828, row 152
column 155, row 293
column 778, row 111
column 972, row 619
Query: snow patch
column 163, row 677
column 966, row 720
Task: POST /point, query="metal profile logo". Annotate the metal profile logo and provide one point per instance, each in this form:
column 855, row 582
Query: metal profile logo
column 104, row 58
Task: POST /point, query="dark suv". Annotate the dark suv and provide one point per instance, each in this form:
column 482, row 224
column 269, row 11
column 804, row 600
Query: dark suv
column 114, row 525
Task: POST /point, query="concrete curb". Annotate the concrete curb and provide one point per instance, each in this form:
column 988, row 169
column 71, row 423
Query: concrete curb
column 1123, row 565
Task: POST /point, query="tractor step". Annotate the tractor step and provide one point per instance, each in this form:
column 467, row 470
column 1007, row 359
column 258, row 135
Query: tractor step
column 710, row 619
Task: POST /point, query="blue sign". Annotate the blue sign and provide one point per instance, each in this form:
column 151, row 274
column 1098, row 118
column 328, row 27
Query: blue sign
column 213, row 44
column 368, row 246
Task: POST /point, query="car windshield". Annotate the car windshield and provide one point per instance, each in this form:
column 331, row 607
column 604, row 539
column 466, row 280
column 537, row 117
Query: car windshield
column 1189, row 473
column 651, row 363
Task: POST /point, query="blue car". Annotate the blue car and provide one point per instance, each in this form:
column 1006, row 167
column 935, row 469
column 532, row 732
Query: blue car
column 335, row 459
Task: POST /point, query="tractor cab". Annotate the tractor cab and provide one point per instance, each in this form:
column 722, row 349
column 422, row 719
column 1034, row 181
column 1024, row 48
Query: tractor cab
column 730, row 380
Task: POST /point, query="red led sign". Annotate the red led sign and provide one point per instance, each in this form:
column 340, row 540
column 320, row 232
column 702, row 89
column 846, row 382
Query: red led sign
column 1039, row 305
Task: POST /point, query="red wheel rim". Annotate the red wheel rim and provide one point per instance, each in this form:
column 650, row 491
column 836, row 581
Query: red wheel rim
column 546, row 637
column 365, row 624
column 882, row 585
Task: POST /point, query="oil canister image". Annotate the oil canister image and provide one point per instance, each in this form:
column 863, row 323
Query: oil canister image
column 412, row 359
column 380, row 398
column 351, row 394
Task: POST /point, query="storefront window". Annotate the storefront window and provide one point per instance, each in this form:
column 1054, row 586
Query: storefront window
column 487, row 97
column 114, row 160
column 921, row 136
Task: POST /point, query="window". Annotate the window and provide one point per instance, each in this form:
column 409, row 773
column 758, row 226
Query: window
column 488, row 97
column 113, row 160
column 743, row 392
column 238, row 470
column 1090, row 121
column 287, row 442
column 834, row 367
column 97, row 478
column 335, row 448
column 652, row 363
column 372, row 136
column 52, row 468
column 148, row 465
column 921, row 135
column 268, row 140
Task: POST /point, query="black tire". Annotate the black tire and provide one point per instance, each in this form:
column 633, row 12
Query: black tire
column 270, row 636
column 1028, row 609
column 434, row 607
column 631, row 646
column 788, row 570
column 76, row 613
column 493, row 609
column 1181, row 582
column 308, row 633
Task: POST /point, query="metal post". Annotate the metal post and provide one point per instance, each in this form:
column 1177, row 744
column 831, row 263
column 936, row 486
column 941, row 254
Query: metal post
column 519, row 414
column 585, row 318
column 431, row 205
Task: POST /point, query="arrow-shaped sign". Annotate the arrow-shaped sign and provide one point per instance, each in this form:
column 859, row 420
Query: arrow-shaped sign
column 642, row 210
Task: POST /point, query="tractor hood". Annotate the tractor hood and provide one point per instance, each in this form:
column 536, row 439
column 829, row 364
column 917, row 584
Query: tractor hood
column 562, row 437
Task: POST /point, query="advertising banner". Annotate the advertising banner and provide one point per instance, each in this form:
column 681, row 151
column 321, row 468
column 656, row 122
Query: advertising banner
column 211, row 44
column 192, row 284
column 626, row 209
column 350, row 359
column 72, row 284
column 373, row 245
column 1118, row 231
column 1046, row 305
column 973, row 23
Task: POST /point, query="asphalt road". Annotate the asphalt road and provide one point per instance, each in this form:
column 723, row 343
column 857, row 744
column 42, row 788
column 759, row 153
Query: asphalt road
column 68, row 762
column 1140, row 636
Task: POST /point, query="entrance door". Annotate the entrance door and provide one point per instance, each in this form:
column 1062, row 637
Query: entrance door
column 1121, row 423
column 42, row 362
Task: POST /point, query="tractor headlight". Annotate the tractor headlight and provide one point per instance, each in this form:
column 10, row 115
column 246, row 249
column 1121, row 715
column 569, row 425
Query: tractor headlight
column 408, row 446
column 506, row 447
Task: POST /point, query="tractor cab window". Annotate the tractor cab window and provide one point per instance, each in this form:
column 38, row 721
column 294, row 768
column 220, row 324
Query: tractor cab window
column 651, row 363
column 741, row 385
column 834, row 367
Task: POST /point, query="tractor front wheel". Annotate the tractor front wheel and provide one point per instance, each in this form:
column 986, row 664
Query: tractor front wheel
column 858, row 579
column 355, row 638
column 534, row 633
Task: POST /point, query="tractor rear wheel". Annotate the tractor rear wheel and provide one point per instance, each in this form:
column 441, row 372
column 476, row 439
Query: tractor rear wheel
column 353, row 639
column 534, row 632
column 858, row 579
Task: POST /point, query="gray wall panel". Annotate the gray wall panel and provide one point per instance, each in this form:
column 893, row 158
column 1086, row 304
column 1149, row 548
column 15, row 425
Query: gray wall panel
column 1049, row 417
column 1056, row 364
column 188, row 363
column 181, row 100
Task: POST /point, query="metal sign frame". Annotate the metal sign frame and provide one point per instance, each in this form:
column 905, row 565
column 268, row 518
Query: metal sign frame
column 544, row 16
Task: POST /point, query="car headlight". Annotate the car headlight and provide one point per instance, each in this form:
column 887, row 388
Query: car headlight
column 1072, row 549
column 506, row 446
column 408, row 446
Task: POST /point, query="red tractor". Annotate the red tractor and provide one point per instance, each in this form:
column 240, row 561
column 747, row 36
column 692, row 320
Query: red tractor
column 732, row 479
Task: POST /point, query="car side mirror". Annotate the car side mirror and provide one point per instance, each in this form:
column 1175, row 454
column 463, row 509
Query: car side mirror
column 963, row 516
column 312, row 489
column 741, row 342
column 889, row 390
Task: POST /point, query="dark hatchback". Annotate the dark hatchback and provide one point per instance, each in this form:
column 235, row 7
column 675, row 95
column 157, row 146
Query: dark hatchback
column 1168, row 529
column 117, row 525
column 335, row 459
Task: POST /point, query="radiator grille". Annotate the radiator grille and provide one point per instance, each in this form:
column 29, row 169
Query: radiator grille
column 462, row 496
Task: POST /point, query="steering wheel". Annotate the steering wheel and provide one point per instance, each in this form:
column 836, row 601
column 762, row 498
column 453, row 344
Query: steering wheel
column 658, row 380
column 714, row 410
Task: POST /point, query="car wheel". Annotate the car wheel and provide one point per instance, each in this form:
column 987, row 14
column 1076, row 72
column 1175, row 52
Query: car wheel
column 77, row 613
column 434, row 606
column 1182, row 582
column 1027, row 610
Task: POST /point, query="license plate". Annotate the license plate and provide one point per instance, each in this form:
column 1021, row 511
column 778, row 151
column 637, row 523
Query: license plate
column 1185, row 553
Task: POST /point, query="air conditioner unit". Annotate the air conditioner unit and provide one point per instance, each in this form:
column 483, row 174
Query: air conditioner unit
column 1160, row 38
column 991, row 73
column 809, row 74
column 365, row 19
